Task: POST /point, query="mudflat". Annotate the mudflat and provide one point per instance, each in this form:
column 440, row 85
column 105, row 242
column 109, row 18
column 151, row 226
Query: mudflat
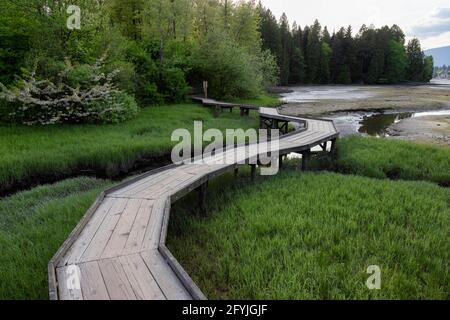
column 431, row 129
column 317, row 100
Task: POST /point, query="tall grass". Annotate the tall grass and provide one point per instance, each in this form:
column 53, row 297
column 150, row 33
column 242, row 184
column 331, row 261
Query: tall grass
column 34, row 154
column 382, row 158
column 33, row 225
column 312, row 236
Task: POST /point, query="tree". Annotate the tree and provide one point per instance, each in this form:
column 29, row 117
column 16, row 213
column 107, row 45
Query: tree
column 376, row 67
column 313, row 54
column 396, row 62
column 270, row 32
column 415, row 60
column 297, row 65
column 286, row 50
column 325, row 57
column 428, row 69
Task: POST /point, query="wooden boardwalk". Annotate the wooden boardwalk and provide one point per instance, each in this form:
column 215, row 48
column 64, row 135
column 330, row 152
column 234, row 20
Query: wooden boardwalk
column 118, row 249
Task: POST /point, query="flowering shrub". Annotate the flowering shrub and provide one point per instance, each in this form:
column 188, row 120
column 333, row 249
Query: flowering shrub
column 90, row 98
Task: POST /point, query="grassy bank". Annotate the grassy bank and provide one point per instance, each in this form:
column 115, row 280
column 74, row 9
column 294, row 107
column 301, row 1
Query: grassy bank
column 382, row 158
column 33, row 155
column 33, row 225
column 263, row 100
column 315, row 237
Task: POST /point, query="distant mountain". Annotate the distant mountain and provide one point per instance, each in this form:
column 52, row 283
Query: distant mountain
column 441, row 56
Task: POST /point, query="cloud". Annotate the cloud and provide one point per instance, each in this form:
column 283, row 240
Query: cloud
column 441, row 13
column 436, row 23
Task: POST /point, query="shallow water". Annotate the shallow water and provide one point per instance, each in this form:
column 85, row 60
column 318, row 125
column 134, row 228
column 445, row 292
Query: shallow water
column 375, row 123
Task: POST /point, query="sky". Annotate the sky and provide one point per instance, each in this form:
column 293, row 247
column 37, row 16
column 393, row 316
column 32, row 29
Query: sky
column 428, row 20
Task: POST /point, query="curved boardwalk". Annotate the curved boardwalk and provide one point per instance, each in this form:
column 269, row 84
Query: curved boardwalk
column 118, row 249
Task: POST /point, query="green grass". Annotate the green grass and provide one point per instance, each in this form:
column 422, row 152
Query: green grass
column 382, row 158
column 33, row 225
column 28, row 154
column 263, row 100
column 312, row 236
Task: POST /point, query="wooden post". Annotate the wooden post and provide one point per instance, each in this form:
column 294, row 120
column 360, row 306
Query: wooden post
column 202, row 197
column 263, row 123
column 305, row 159
column 205, row 89
column 253, row 172
column 274, row 124
column 333, row 146
column 280, row 162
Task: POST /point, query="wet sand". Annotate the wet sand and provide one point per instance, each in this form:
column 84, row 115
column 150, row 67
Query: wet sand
column 316, row 100
column 320, row 100
column 431, row 129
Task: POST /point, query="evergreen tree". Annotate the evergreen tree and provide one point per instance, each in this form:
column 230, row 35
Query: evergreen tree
column 286, row 50
column 428, row 69
column 297, row 65
column 325, row 56
column 313, row 53
column 415, row 60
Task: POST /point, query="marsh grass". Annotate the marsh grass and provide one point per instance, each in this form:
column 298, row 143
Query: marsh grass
column 313, row 235
column 33, row 225
column 390, row 159
column 33, row 155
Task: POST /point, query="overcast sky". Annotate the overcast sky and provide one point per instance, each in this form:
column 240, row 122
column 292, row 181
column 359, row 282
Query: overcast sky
column 428, row 20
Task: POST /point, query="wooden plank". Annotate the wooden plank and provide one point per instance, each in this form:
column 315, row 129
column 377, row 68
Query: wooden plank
column 116, row 281
column 73, row 256
column 121, row 232
column 140, row 278
column 69, row 283
column 137, row 234
column 152, row 234
column 144, row 184
column 101, row 238
column 92, row 284
column 169, row 283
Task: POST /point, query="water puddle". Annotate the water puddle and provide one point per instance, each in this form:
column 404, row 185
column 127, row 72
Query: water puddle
column 375, row 123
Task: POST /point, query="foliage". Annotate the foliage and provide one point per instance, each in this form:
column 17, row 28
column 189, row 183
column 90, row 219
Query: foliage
column 396, row 59
column 82, row 95
column 229, row 69
column 312, row 55
column 314, row 237
column 32, row 155
column 151, row 43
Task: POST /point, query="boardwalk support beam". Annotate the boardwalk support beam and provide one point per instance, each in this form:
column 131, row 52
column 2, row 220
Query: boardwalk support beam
column 253, row 172
column 202, row 197
column 305, row 159
column 333, row 146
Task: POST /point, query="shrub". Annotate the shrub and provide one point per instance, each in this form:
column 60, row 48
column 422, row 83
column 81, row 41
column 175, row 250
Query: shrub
column 82, row 95
column 116, row 108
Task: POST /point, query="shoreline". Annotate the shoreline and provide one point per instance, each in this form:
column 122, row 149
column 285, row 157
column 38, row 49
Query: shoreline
column 430, row 130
